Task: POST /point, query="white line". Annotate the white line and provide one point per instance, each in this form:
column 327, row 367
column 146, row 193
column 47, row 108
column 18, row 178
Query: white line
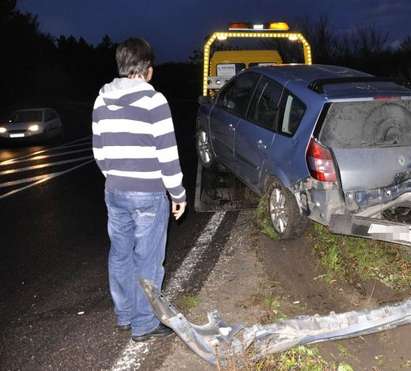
column 42, row 166
column 183, row 273
column 134, row 354
column 42, row 157
column 50, row 176
column 7, row 162
column 22, row 181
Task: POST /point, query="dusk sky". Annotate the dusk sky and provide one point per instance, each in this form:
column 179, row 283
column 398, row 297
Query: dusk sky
column 176, row 27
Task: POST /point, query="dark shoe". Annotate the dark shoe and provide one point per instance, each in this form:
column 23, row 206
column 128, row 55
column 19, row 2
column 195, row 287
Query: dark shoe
column 160, row 331
column 123, row 327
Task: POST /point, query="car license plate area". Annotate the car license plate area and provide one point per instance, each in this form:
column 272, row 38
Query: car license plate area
column 19, row 135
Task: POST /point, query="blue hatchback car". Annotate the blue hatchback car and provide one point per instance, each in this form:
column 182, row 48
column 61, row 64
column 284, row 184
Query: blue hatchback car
column 327, row 143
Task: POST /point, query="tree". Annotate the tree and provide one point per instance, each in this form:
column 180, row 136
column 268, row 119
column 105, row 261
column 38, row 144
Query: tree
column 406, row 44
column 368, row 40
column 321, row 37
column 196, row 57
column 6, row 9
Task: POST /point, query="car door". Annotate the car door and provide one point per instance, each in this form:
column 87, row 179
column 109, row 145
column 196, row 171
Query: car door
column 255, row 134
column 231, row 105
column 52, row 121
column 287, row 155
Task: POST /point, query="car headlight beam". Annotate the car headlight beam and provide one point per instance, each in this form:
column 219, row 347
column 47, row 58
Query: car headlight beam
column 34, row 128
column 3, row 130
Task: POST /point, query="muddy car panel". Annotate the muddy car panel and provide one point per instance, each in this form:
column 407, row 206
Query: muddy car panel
column 371, row 143
column 367, row 137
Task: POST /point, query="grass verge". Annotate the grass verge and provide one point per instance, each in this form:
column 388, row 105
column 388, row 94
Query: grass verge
column 187, row 302
column 345, row 257
column 300, row 358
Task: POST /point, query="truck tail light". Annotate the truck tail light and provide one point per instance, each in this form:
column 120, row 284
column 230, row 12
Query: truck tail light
column 320, row 162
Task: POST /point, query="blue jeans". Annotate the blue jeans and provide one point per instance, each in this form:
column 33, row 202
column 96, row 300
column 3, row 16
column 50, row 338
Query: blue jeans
column 137, row 227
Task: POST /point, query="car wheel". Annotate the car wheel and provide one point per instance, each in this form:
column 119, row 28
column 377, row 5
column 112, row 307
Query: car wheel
column 204, row 151
column 284, row 212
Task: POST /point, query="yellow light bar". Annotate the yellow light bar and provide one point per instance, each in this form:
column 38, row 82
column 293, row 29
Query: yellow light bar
column 278, row 26
column 225, row 35
column 221, row 37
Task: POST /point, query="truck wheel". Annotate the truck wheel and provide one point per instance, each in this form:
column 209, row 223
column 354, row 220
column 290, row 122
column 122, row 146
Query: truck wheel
column 204, row 151
column 284, row 212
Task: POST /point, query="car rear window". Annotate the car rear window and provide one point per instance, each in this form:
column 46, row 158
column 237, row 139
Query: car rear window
column 367, row 124
column 26, row 116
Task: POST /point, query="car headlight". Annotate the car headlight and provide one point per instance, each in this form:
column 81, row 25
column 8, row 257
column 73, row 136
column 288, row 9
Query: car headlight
column 3, row 130
column 34, row 128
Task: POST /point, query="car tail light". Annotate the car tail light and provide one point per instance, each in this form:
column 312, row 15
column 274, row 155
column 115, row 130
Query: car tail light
column 320, row 162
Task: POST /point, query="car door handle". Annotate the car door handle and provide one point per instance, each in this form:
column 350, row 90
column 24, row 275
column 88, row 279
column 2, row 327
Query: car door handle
column 261, row 145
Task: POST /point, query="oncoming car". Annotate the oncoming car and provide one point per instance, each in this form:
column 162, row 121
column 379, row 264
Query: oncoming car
column 35, row 123
column 326, row 143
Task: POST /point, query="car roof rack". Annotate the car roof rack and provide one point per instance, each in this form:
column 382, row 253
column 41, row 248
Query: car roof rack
column 318, row 85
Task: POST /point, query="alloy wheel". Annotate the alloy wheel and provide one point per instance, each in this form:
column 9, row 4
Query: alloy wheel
column 203, row 147
column 278, row 210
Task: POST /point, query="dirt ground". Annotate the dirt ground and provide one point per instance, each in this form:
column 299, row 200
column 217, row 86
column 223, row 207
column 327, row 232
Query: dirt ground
column 254, row 270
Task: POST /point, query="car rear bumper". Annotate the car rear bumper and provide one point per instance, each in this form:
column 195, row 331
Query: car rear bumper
column 376, row 229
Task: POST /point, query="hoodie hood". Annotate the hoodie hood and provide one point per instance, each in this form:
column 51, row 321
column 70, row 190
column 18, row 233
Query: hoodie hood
column 122, row 91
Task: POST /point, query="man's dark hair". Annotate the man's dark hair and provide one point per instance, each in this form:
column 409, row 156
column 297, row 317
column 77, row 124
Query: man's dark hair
column 134, row 56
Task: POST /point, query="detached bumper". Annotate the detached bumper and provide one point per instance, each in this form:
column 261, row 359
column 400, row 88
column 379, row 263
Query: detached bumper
column 217, row 342
column 372, row 228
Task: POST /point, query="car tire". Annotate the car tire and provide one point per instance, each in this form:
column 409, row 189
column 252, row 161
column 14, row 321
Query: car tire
column 284, row 212
column 204, row 151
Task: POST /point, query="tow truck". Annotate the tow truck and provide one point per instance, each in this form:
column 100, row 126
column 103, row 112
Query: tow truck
column 216, row 188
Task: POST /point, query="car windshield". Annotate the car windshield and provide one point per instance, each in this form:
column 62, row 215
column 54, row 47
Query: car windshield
column 26, row 116
column 374, row 123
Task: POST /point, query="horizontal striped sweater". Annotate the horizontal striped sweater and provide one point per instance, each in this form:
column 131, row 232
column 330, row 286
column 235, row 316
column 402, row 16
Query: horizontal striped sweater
column 134, row 143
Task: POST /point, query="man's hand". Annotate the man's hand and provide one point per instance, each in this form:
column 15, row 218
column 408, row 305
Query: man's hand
column 178, row 209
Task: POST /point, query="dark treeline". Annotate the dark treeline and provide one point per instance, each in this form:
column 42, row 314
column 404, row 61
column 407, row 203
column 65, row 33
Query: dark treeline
column 38, row 68
column 35, row 66
column 366, row 49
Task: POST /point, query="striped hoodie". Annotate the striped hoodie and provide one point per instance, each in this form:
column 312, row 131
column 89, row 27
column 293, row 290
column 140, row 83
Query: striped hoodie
column 133, row 139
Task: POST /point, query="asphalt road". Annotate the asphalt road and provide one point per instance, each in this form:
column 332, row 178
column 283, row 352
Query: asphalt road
column 55, row 309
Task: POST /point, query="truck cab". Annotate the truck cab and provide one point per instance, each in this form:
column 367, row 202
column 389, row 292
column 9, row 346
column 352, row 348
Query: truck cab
column 222, row 61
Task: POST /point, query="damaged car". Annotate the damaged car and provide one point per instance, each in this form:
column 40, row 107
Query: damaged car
column 325, row 143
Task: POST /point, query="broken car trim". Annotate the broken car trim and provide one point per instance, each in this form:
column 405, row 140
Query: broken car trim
column 216, row 341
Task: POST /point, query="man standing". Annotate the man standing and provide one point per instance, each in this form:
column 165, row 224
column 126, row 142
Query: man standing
column 135, row 148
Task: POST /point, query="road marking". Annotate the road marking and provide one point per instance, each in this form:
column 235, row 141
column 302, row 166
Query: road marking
column 42, row 157
column 65, row 145
column 22, row 181
column 42, row 166
column 46, row 178
column 134, row 354
column 183, row 273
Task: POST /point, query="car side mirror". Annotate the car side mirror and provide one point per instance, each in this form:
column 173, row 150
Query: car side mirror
column 204, row 100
